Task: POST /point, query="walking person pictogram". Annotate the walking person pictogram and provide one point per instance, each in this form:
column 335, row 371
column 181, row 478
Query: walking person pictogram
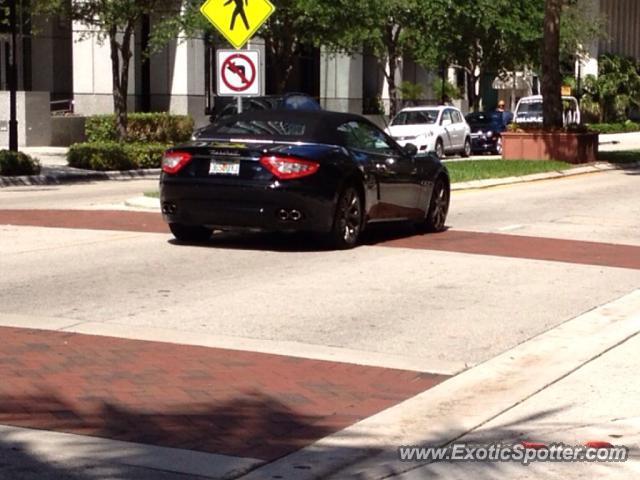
column 238, row 11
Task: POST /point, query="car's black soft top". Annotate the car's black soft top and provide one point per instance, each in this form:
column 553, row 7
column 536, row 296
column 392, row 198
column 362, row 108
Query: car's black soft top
column 319, row 126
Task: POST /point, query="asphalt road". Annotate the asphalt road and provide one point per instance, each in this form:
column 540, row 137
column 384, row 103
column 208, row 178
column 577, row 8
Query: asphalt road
column 443, row 310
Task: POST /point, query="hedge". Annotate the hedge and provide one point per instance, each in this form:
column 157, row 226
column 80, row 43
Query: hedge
column 625, row 127
column 104, row 156
column 141, row 127
column 17, row 163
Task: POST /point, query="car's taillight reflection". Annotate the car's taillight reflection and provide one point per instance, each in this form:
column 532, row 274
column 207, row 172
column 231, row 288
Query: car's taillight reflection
column 286, row 168
column 174, row 160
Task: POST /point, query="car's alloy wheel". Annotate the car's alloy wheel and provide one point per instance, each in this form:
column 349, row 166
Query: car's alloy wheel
column 466, row 150
column 498, row 148
column 439, row 149
column 347, row 224
column 438, row 207
column 189, row 233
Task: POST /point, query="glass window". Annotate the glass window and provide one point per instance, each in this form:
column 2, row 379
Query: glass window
column 457, row 118
column 261, row 127
column 416, row 117
column 446, row 116
column 362, row 136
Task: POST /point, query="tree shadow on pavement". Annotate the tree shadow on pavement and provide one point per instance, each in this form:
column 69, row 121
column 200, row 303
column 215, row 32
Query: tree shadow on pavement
column 259, row 427
column 188, row 431
column 541, row 426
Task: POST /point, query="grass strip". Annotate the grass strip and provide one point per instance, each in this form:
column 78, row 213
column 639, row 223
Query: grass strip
column 467, row 170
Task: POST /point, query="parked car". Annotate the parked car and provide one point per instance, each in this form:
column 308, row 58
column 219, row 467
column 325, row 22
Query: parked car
column 325, row 172
column 529, row 110
column 486, row 130
column 441, row 129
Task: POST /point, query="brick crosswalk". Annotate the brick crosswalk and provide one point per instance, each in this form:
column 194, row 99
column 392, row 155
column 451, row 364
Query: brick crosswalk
column 212, row 400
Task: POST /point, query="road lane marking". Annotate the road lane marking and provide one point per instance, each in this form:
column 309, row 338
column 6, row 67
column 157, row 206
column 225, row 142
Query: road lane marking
column 273, row 347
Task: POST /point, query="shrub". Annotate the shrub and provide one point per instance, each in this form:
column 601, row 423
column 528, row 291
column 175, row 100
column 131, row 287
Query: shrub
column 104, row 156
column 18, row 163
column 141, row 127
column 146, row 155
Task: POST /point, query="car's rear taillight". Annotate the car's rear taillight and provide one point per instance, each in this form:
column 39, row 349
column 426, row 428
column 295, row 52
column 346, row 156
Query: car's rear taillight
column 174, row 160
column 286, row 168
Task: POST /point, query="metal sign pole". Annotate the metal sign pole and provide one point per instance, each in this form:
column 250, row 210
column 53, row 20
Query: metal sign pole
column 240, row 97
column 239, row 104
column 13, row 81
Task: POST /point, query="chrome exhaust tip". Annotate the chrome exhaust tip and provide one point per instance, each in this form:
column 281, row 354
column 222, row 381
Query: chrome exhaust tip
column 295, row 215
column 283, row 215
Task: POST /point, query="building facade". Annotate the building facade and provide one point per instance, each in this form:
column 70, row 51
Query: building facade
column 72, row 64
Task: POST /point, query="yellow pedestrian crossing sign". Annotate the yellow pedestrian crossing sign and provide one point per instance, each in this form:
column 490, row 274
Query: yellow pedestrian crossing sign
column 237, row 20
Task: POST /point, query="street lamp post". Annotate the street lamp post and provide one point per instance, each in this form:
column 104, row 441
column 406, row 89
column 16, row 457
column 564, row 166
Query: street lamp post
column 13, row 80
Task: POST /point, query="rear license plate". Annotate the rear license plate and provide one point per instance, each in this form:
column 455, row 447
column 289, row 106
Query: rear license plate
column 224, row 167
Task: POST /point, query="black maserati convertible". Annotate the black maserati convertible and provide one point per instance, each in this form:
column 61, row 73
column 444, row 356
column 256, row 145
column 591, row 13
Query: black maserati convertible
column 325, row 172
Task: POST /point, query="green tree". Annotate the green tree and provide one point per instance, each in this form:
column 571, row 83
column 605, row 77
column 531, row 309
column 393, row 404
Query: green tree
column 616, row 90
column 113, row 21
column 496, row 36
column 383, row 27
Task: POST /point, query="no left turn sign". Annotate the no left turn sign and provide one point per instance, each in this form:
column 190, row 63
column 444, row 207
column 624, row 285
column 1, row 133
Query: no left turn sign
column 238, row 73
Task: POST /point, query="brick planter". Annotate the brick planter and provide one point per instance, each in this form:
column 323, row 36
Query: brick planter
column 538, row 145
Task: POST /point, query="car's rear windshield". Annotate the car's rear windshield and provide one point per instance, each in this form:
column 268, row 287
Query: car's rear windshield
column 484, row 117
column 255, row 127
column 530, row 107
column 418, row 117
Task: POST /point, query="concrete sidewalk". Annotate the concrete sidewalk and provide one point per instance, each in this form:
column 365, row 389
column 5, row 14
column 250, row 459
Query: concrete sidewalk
column 56, row 171
column 571, row 385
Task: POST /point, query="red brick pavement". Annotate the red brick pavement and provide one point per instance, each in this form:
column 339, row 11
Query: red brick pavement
column 212, row 400
column 516, row 246
column 520, row 246
column 90, row 219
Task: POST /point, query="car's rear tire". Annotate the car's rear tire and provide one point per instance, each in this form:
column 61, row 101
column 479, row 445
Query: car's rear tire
column 190, row 233
column 466, row 149
column 436, row 217
column 348, row 219
column 439, row 149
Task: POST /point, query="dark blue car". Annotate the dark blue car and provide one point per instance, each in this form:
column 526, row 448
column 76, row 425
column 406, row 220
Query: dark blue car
column 486, row 130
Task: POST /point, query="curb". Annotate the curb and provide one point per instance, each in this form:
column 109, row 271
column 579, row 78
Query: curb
column 84, row 176
column 497, row 182
column 76, row 176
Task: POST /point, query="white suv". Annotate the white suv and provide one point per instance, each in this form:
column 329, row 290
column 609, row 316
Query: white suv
column 441, row 129
column 529, row 110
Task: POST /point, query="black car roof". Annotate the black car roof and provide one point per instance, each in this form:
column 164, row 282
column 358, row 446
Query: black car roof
column 320, row 125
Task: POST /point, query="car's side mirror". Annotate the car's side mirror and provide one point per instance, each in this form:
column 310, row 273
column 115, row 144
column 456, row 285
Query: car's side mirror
column 410, row 150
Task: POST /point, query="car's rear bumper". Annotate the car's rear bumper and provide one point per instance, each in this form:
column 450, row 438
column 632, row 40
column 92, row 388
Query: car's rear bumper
column 483, row 144
column 273, row 207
